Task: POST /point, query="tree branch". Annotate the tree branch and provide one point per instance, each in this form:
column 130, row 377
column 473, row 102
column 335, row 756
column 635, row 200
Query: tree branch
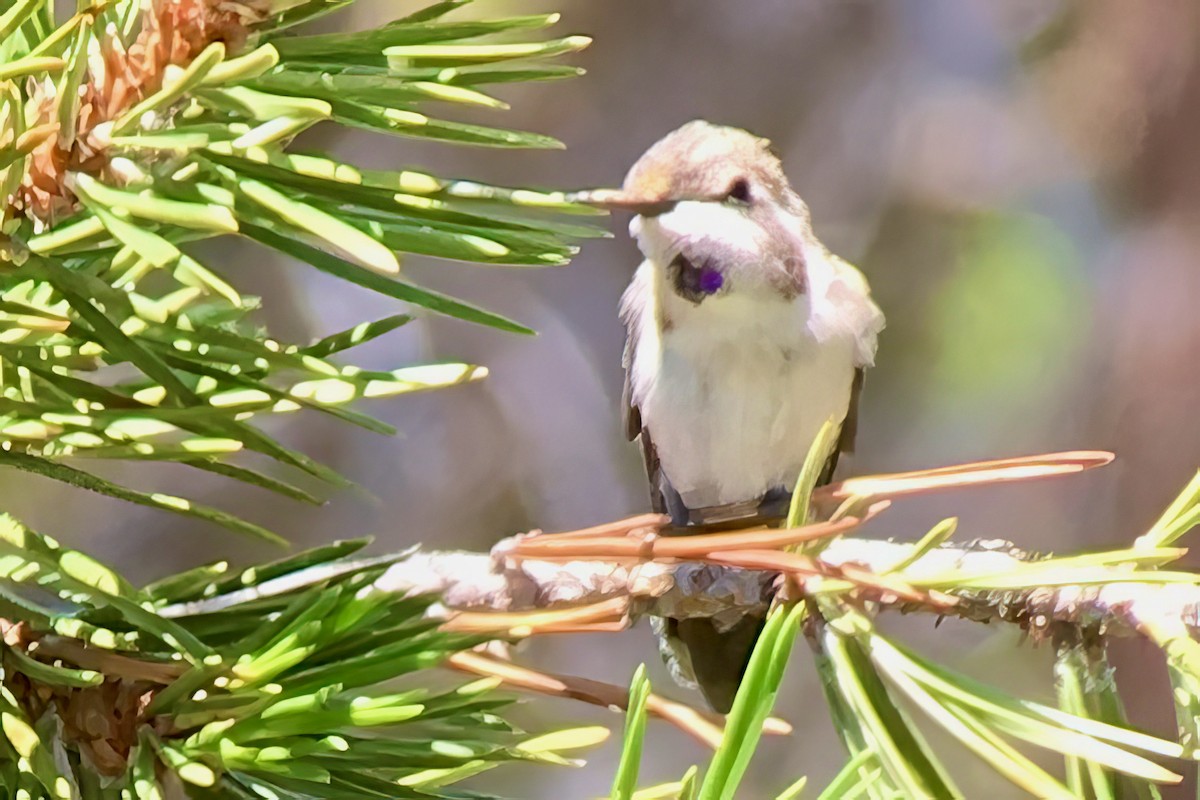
column 477, row 582
column 604, row 578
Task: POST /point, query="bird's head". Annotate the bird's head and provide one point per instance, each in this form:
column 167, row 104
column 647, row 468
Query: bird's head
column 714, row 208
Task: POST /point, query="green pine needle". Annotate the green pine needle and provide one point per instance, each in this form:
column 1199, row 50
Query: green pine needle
column 753, row 703
column 625, row 781
column 204, row 153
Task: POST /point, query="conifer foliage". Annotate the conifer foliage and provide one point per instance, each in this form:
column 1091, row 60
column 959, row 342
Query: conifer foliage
column 128, row 132
column 135, row 128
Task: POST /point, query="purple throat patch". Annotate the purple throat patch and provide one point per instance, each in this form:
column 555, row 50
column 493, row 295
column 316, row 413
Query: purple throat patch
column 695, row 282
column 710, row 281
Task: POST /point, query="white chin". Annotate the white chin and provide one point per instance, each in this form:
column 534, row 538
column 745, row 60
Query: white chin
column 692, row 227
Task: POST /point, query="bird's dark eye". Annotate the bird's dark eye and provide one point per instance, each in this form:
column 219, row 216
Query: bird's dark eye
column 739, row 190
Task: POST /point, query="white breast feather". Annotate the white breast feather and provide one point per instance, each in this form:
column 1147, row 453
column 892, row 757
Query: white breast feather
column 734, row 392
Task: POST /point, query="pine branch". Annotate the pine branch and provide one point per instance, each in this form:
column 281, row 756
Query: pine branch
column 616, row 572
column 605, row 577
column 1002, row 583
column 132, row 130
column 276, row 693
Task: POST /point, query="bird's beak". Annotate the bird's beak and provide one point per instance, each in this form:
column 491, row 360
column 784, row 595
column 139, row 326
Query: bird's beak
column 622, row 200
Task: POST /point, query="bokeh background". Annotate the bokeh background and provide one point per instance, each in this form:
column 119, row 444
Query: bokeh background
column 1018, row 179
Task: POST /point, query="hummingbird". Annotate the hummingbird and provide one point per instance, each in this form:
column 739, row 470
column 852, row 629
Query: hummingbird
column 745, row 334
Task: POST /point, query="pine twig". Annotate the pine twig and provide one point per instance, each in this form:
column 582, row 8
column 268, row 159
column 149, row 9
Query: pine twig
column 1118, row 603
column 735, row 572
column 705, row 727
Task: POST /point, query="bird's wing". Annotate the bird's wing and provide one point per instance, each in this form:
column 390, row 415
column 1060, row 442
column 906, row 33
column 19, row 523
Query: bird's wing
column 848, row 432
column 632, row 415
column 853, row 295
column 863, row 318
column 635, row 431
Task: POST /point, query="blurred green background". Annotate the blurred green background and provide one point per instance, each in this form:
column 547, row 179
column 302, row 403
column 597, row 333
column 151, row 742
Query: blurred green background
column 1017, row 178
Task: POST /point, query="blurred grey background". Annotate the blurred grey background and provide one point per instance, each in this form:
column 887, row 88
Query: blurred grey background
column 1017, row 178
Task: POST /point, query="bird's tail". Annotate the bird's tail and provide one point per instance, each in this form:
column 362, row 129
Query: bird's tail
column 716, row 659
column 699, row 651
